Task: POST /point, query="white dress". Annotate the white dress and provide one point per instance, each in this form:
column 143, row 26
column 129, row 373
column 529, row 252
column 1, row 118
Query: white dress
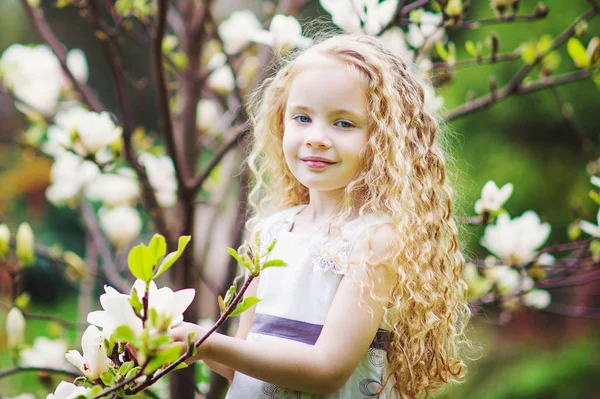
column 295, row 300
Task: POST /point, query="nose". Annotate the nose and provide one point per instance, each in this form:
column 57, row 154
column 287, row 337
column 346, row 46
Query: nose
column 317, row 138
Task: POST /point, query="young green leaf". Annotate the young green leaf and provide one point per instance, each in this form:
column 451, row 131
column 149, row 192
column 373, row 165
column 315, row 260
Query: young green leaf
column 122, row 334
column 222, row 306
column 595, row 196
column 271, row 245
column 229, row 295
column 441, row 50
column 235, row 255
column 157, row 247
column 107, row 378
column 140, row 262
column 577, row 53
column 471, row 49
column 273, row 263
column 164, row 356
column 134, row 301
column 246, row 304
column 125, row 367
column 173, row 256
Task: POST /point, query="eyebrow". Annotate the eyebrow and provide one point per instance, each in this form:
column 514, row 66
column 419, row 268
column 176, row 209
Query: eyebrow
column 339, row 111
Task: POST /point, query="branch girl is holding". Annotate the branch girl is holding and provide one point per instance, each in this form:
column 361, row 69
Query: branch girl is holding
column 372, row 303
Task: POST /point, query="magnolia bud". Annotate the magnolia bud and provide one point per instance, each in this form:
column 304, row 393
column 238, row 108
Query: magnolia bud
column 15, row 328
column 4, row 240
column 454, row 8
column 25, row 241
column 541, row 10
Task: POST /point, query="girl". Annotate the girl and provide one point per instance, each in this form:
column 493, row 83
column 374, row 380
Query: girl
column 371, row 303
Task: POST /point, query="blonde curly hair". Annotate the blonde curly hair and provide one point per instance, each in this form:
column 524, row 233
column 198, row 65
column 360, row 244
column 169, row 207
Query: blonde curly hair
column 403, row 174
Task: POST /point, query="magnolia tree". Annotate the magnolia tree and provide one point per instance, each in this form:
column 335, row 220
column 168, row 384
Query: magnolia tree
column 120, row 177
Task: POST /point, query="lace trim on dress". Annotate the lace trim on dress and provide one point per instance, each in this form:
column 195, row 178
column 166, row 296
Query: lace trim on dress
column 329, row 251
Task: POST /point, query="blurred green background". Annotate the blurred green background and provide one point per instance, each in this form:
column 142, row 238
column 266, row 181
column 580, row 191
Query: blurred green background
column 524, row 140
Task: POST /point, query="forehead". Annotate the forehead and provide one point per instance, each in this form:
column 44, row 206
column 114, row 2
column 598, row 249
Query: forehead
column 327, row 83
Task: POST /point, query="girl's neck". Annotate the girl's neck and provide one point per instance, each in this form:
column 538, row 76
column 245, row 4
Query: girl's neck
column 322, row 204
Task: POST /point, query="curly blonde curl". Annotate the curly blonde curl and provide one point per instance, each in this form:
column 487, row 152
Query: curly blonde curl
column 403, row 174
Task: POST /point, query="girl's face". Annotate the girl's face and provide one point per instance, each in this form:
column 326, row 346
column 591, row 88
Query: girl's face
column 325, row 125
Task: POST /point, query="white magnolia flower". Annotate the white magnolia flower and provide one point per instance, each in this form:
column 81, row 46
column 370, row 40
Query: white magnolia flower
column 66, row 390
column 432, row 102
column 77, row 64
column 114, row 189
column 94, row 360
column 508, row 280
column 221, row 80
column 33, row 74
column 394, row 40
column 595, row 180
column 25, row 243
column 121, row 225
column 546, row 259
column 537, row 299
column 208, row 114
column 492, row 198
column 45, row 352
column 284, row 31
column 166, row 302
column 161, row 173
column 515, row 241
column 117, row 310
column 343, row 14
column 427, row 26
column 237, row 29
column 348, row 15
column 68, row 176
column 15, row 328
column 58, row 140
column 97, row 131
column 590, row 228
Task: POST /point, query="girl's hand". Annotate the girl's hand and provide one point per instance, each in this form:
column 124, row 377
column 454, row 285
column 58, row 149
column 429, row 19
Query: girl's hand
column 180, row 333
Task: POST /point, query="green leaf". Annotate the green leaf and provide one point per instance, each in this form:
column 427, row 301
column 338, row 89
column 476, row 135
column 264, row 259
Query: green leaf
column 180, row 59
column 141, row 262
column 222, row 306
column 157, row 247
column 441, row 50
column 246, row 304
column 235, row 255
column 229, row 295
column 577, row 53
column 595, row 250
column 125, row 367
column 164, row 356
column 544, row 44
column 159, row 341
column 272, row 244
column 107, row 378
column 134, row 301
column 122, row 334
column 273, row 263
column 574, row 231
column 596, row 78
column 171, row 258
column 471, row 49
column 181, row 366
column 595, row 196
column 529, row 53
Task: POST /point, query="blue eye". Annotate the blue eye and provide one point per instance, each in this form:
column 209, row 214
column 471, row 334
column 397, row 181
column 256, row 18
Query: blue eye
column 302, row 119
column 344, row 124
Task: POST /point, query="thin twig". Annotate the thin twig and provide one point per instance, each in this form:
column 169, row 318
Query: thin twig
column 65, row 323
column 514, row 86
column 15, row 370
column 237, row 134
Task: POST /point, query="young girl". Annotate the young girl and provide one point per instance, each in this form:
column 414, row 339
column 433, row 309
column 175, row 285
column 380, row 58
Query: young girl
column 371, row 303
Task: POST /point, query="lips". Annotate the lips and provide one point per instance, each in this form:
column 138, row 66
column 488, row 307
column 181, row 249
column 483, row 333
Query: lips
column 317, row 159
column 317, row 162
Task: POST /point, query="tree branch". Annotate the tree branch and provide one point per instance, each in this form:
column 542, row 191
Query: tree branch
column 239, row 132
column 65, row 323
column 15, row 370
